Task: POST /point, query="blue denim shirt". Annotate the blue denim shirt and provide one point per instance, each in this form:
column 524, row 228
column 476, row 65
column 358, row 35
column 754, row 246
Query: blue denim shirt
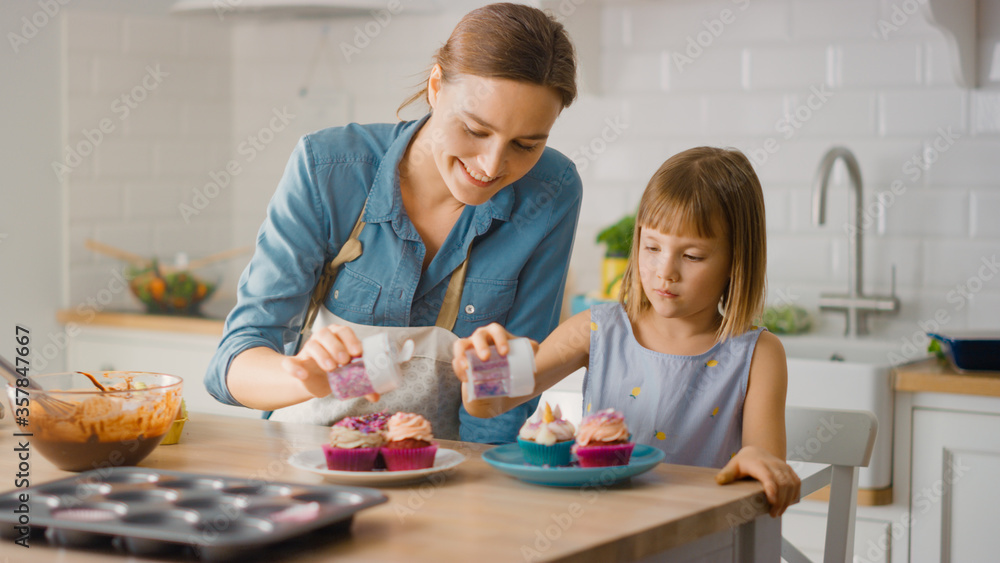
column 521, row 242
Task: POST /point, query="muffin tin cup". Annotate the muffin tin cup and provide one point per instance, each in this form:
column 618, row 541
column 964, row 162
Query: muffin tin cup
column 147, row 512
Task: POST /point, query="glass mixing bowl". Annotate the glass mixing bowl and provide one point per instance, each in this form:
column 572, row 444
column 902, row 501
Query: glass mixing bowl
column 120, row 426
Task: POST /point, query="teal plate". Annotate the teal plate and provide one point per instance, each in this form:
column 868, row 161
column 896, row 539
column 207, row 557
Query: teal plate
column 508, row 458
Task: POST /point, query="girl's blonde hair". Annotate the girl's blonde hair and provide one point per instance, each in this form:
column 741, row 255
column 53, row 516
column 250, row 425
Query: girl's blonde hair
column 707, row 192
column 511, row 41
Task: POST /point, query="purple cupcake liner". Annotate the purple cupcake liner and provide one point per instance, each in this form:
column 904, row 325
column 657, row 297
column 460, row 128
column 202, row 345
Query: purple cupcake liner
column 556, row 455
column 405, row 459
column 604, row 456
column 350, row 459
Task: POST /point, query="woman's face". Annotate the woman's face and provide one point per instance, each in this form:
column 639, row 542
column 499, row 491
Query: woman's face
column 486, row 133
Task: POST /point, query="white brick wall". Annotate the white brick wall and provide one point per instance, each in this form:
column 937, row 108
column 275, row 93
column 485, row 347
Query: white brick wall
column 889, row 99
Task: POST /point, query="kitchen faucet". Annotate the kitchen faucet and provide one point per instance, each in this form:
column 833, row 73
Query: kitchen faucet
column 855, row 304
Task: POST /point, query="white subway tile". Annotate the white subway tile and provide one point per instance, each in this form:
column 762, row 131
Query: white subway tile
column 938, row 68
column 756, row 21
column 931, row 213
column 745, row 114
column 183, row 158
column 844, row 19
column 90, row 201
column 587, row 119
column 80, row 231
column 784, row 161
column 616, row 27
column 603, row 204
column 586, row 259
column 133, row 236
column 156, row 36
column 194, row 240
column 710, row 71
column 669, row 25
column 786, row 68
column 185, row 79
column 123, row 159
column 961, row 265
column 984, row 311
column 818, row 111
column 989, row 63
column 155, row 119
column 839, row 208
column 798, row 259
column 920, row 312
column 884, row 161
column 966, row 161
column 627, row 72
column 93, row 32
column 271, row 41
column 152, row 200
column 903, row 18
column 206, row 119
column 985, row 210
column 874, row 64
column 665, row 116
column 985, row 112
column 881, row 254
column 776, row 205
column 119, row 76
column 97, row 288
column 627, row 161
column 922, row 112
column 91, row 117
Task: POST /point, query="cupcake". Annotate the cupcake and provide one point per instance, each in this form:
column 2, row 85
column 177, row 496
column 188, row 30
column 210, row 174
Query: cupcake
column 546, row 438
column 408, row 443
column 603, row 440
column 354, row 442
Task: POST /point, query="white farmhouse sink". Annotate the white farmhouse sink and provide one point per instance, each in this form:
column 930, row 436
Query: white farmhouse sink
column 859, row 378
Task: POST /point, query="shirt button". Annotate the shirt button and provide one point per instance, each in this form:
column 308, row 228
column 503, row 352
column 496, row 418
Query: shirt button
column 336, row 293
column 469, row 309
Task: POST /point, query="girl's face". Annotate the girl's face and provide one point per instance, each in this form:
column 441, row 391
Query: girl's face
column 486, row 133
column 683, row 276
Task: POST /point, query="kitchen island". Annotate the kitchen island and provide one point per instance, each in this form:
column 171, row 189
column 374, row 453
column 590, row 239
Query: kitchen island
column 470, row 513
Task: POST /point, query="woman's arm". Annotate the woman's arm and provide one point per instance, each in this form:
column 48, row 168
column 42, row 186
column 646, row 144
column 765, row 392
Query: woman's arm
column 762, row 456
column 566, row 350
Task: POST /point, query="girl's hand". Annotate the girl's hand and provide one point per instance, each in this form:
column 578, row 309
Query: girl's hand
column 480, row 340
column 326, row 350
column 781, row 484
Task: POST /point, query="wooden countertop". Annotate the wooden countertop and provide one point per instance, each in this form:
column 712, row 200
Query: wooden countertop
column 143, row 321
column 475, row 513
column 930, row 376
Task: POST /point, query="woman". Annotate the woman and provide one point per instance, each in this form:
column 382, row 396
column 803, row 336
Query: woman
column 464, row 217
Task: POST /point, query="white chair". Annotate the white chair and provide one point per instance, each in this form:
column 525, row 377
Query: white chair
column 843, row 440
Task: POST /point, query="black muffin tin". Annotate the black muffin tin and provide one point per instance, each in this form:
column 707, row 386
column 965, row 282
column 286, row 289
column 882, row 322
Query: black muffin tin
column 154, row 512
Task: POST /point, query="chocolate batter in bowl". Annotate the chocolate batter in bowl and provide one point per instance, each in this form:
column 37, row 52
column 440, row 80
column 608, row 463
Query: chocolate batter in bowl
column 118, row 426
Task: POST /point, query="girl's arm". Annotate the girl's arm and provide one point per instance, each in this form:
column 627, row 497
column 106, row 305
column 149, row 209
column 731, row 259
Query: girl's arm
column 763, row 454
column 566, row 350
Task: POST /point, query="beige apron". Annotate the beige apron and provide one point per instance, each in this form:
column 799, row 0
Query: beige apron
column 429, row 388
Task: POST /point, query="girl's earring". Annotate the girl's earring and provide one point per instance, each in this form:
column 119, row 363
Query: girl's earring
column 722, row 306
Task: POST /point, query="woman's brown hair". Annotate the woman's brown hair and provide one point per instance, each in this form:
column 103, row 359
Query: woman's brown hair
column 511, row 41
column 707, row 192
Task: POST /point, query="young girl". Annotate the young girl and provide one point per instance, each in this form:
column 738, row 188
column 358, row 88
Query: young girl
column 679, row 355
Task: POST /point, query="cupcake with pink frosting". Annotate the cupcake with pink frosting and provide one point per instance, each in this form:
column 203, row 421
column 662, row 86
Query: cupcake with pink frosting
column 354, row 442
column 546, row 438
column 408, row 443
column 603, row 440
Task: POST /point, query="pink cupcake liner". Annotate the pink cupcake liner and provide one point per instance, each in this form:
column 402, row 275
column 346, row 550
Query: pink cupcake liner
column 404, row 459
column 350, row 459
column 604, row 456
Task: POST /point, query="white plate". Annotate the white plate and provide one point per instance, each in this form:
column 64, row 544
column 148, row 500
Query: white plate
column 315, row 462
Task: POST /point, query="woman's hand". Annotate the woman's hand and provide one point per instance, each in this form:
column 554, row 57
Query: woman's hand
column 326, row 350
column 480, row 340
column 781, row 484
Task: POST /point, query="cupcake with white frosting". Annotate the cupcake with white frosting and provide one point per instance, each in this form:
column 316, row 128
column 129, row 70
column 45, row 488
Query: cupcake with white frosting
column 546, row 438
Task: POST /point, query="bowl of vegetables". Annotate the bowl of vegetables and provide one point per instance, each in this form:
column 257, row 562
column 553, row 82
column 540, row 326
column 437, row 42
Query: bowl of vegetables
column 173, row 292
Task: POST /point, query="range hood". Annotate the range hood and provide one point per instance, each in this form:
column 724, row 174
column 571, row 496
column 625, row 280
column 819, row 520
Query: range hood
column 302, row 8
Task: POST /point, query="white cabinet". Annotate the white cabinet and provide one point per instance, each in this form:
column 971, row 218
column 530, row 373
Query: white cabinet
column 804, row 525
column 183, row 355
column 954, row 496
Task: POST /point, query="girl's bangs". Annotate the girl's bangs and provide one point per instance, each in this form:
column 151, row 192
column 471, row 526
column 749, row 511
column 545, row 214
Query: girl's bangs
column 680, row 216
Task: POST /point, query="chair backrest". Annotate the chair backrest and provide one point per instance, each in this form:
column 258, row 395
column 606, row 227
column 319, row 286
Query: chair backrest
column 834, row 437
column 842, row 439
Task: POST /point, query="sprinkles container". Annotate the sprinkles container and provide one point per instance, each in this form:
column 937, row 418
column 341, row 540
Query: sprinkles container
column 376, row 371
column 512, row 375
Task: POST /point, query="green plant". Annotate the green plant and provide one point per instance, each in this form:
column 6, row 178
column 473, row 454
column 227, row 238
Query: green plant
column 618, row 237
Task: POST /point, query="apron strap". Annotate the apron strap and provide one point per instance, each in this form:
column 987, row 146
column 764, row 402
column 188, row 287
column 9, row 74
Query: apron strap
column 453, row 296
column 350, row 251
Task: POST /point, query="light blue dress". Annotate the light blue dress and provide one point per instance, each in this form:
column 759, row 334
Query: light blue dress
column 691, row 407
